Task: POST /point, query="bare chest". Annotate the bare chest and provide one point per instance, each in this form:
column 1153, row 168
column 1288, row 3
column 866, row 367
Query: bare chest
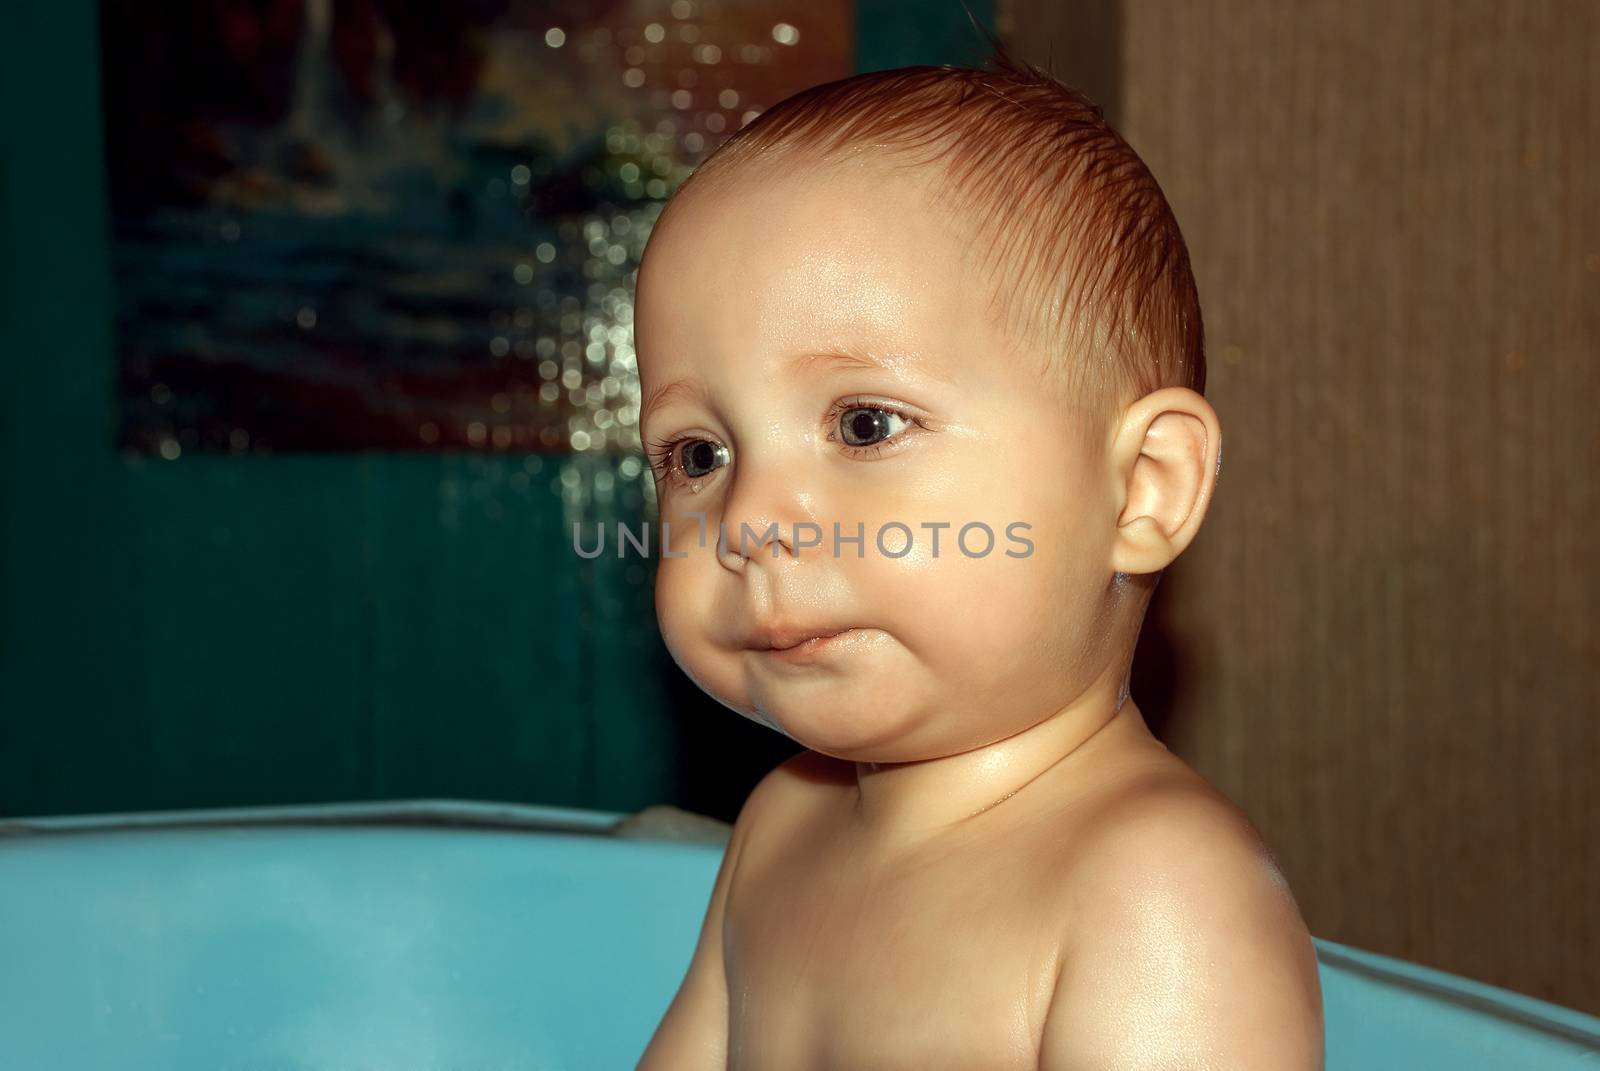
column 848, row 964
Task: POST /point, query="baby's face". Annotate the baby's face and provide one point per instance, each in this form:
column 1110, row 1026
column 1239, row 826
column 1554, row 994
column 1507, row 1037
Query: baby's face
column 831, row 364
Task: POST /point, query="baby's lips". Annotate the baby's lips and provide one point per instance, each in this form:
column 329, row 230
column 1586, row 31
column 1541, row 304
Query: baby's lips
column 767, row 636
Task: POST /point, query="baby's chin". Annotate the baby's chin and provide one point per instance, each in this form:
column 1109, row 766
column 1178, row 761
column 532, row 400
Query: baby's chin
column 863, row 718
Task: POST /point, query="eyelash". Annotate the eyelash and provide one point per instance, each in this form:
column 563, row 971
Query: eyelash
column 663, row 453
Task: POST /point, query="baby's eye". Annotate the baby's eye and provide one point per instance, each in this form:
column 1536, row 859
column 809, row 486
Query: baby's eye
column 699, row 457
column 866, row 425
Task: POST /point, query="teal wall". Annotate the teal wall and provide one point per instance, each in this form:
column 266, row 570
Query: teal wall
column 230, row 631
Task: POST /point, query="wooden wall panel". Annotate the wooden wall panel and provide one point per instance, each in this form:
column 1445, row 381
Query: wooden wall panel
column 1383, row 644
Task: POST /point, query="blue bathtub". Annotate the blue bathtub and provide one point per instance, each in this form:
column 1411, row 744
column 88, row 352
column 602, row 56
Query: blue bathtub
column 438, row 934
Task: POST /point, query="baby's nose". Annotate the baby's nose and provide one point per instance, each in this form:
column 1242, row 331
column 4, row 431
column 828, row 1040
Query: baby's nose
column 759, row 523
column 743, row 540
column 769, row 499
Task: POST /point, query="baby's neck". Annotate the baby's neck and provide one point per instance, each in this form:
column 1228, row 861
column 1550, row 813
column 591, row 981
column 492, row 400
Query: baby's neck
column 908, row 803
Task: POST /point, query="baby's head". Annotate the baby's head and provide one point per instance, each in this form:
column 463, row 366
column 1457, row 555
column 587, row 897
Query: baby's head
column 910, row 299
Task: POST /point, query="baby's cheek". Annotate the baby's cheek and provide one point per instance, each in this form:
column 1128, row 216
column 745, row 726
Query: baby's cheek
column 678, row 610
column 950, row 609
column 697, row 629
column 1003, row 601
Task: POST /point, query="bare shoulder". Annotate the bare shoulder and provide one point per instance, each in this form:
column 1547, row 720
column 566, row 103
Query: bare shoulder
column 789, row 819
column 813, row 770
column 1181, row 943
column 798, row 784
column 693, row 1033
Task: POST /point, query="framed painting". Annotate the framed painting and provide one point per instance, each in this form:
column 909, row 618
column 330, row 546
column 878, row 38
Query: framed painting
column 403, row 225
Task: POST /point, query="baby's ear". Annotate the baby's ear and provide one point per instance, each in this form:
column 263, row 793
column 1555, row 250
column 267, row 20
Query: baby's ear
column 1165, row 459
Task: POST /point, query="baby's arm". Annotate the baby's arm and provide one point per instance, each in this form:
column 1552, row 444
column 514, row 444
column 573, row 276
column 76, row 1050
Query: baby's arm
column 1185, row 950
column 693, row 1034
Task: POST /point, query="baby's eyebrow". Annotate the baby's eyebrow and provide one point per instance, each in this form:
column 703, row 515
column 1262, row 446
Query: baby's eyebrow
column 855, row 357
column 903, row 364
column 688, row 385
column 800, row 364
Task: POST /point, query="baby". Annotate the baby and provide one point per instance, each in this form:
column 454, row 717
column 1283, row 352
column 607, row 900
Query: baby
column 921, row 359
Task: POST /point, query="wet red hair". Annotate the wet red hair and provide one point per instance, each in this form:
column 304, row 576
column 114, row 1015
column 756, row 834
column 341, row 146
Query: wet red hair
column 1090, row 273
